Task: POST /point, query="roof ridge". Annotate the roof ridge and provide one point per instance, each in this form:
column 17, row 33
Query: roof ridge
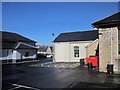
column 19, row 35
column 7, row 32
column 108, row 16
column 79, row 31
column 111, row 15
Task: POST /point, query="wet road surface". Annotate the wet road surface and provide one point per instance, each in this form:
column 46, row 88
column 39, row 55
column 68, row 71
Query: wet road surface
column 40, row 75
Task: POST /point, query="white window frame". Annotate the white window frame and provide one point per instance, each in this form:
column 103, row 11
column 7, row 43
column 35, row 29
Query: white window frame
column 76, row 51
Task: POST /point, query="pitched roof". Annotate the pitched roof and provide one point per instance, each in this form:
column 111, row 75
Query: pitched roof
column 77, row 36
column 92, row 43
column 42, row 48
column 14, row 37
column 21, row 45
column 17, row 45
column 8, row 45
column 113, row 20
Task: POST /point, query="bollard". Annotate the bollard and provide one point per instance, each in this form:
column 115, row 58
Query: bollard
column 90, row 66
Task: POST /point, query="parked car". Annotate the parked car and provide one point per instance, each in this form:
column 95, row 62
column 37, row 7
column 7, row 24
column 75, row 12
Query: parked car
column 49, row 55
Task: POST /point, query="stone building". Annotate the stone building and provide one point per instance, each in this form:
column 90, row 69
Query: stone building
column 44, row 51
column 109, row 42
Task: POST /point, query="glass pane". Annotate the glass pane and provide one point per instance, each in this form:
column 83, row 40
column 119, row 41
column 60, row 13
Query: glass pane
column 76, row 48
column 76, row 51
column 118, row 34
column 118, row 48
column 26, row 54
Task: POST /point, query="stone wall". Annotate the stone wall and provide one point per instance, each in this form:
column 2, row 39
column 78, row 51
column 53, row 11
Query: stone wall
column 105, row 48
column 91, row 48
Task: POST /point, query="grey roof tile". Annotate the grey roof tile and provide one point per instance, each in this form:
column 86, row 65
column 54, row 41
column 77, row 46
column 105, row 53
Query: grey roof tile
column 77, row 36
column 14, row 37
column 113, row 20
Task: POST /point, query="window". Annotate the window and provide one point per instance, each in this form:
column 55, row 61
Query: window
column 118, row 41
column 26, row 54
column 118, row 48
column 118, row 34
column 76, row 51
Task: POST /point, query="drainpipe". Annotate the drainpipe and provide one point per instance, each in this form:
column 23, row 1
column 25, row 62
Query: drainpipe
column 111, row 62
column 110, row 65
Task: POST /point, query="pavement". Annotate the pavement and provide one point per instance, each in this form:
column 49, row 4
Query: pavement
column 45, row 74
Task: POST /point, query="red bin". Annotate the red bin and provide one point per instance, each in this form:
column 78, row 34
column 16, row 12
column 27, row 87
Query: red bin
column 93, row 60
column 86, row 60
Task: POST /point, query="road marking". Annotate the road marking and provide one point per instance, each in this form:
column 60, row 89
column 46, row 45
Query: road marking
column 19, row 86
column 48, row 66
column 42, row 65
column 14, row 88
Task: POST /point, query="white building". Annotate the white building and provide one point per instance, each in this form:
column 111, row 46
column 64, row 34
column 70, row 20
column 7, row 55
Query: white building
column 16, row 48
column 45, row 50
column 71, row 46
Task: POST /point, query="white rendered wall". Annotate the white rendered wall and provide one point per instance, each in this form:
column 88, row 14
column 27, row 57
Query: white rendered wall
column 64, row 51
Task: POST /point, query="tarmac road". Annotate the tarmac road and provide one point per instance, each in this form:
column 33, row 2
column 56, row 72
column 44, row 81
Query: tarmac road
column 40, row 76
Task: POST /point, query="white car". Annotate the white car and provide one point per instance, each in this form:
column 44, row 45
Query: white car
column 49, row 55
